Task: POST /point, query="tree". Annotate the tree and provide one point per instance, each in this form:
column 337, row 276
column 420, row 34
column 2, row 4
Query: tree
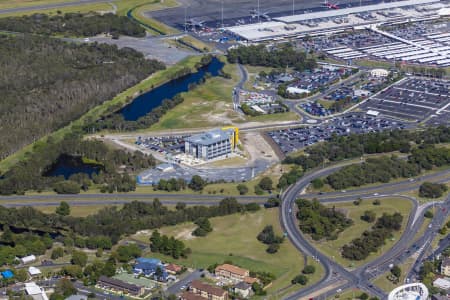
column 197, row 183
column 65, row 287
column 432, row 190
column 273, row 248
column 364, row 296
column 428, row 214
column 369, row 216
column 265, row 183
column 79, row 258
column 180, row 206
column 67, row 187
column 57, row 253
column 309, row 269
column 376, row 202
column 258, row 190
column 300, row 279
column 21, row 275
column 396, row 271
column 242, row 188
column 204, row 227
column 63, row 209
column 317, row 183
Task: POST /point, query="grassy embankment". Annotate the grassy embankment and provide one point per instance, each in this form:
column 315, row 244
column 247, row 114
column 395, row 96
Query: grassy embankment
column 333, row 248
column 123, row 98
column 210, row 105
column 386, row 285
column 234, row 238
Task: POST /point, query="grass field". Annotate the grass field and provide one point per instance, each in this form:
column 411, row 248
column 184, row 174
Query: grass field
column 209, row 104
column 152, row 81
column 234, row 238
column 77, row 211
column 388, row 205
column 85, row 8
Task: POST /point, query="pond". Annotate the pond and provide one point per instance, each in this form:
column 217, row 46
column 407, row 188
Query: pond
column 146, row 102
column 67, row 165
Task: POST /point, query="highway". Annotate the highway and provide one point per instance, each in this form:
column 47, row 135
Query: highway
column 361, row 276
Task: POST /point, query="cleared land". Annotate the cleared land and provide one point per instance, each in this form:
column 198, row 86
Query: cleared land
column 333, row 248
column 77, row 211
column 234, row 238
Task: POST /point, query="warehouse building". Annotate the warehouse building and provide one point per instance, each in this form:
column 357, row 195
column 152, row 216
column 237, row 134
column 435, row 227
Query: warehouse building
column 212, row 144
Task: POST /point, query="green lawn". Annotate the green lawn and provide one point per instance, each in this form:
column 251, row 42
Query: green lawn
column 85, row 8
column 388, row 205
column 234, row 238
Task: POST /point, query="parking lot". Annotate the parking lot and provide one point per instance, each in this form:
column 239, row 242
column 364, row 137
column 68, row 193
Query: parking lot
column 413, row 99
column 165, row 145
column 153, row 176
column 293, row 139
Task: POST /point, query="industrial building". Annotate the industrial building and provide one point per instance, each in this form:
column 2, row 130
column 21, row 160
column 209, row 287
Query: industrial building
column 334, row 21
column 212, row 144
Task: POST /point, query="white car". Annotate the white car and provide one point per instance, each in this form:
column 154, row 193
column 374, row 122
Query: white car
column 375, row 194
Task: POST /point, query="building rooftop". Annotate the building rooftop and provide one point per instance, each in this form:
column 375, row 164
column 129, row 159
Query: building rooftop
column 197, row 284
column 242, row 286
column 190, row 296
column 210, row 137
column 446, row 262
column 353, row 10
column 118, row 283
column 232, row 269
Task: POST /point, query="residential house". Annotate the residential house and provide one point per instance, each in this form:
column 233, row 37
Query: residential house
column 442, row 283
column 119, row 286
column 173, row 269
column 445, row 266
column 190, row 296
column 148, row 267
column 207, row 291
column 231, row 272
column 243, row 289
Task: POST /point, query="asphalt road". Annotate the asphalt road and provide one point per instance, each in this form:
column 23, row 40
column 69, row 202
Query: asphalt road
column 49, row 6
column 360, row 277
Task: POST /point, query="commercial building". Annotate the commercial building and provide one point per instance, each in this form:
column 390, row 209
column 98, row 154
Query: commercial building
column 119, row 286
column 232, row 272
column 445, row 266
column 207, row 291
column 379, row 73
column 212, row 144
column 33, row 271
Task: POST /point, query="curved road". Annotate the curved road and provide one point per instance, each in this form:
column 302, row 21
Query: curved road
column 335, row 273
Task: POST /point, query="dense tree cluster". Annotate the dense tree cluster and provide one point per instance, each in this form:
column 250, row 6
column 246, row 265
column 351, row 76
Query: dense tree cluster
column 382, row 169
column 170, row 185
column 112, row 222
column 320, row 221
column 338, row 148
column 290, row 177
column 168, row 245
column 371, row 240
column 30, row 174
column 281, row 56
column 73, row 24
column 203, row 227
column 432, row 190
column 268, row 237
column 46, row 83
column 385, row 169
column 18, row 245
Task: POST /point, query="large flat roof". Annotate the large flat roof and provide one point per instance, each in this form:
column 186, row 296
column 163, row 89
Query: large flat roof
column 352, row 10
column 210, row 137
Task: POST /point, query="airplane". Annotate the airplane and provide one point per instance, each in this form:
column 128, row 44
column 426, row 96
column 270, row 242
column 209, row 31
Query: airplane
column 330, row 5
column 258, row 14
column 194, row 23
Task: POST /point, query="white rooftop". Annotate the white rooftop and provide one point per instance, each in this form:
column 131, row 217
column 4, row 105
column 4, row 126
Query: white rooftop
column 34, row 271
column 352, row 10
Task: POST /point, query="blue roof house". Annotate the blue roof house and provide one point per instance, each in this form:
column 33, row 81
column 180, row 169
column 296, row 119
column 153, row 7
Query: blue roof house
column 8, row 274
column 148, row 267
